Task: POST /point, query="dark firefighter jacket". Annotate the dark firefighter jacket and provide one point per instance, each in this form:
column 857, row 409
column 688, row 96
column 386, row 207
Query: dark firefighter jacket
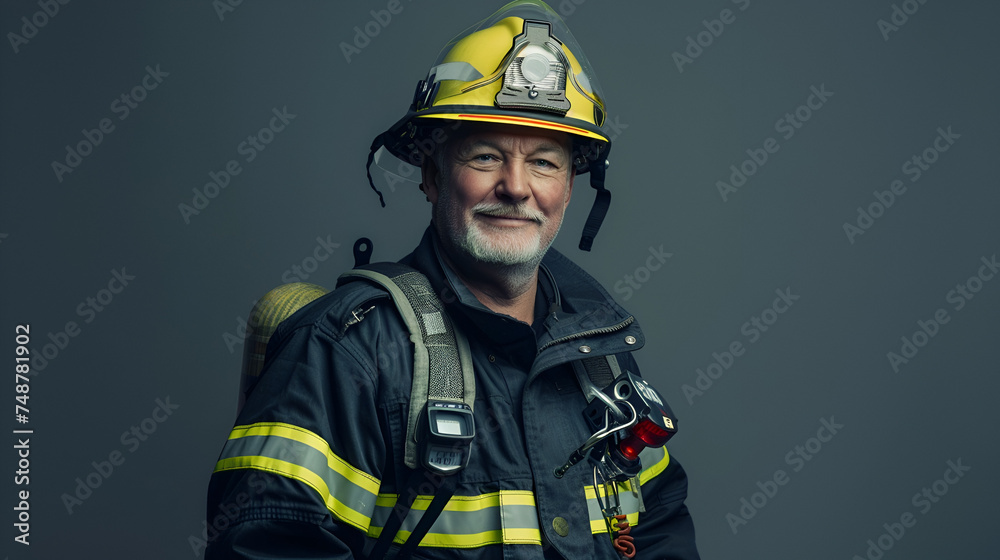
column 314, row 465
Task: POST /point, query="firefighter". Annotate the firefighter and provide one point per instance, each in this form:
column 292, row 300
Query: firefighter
column 324, row 461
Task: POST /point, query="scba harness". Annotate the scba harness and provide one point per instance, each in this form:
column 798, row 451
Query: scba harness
column 625, row 413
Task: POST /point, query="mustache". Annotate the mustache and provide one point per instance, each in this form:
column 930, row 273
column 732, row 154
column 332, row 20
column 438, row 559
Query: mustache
column 516, row 211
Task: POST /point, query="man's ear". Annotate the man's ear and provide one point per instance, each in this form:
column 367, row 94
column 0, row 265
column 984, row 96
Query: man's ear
column 429, row 175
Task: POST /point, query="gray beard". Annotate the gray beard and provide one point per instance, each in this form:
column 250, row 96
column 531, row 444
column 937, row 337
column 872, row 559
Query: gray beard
column 515, row 268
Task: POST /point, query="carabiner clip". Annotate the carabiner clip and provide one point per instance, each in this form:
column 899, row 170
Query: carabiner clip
column 611, row 504
column 599, row 436
column 614, row 519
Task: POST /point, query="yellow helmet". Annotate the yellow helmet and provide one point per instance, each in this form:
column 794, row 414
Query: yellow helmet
column 520, row 66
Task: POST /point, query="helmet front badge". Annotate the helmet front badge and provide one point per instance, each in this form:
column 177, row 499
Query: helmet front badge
column 535, row 79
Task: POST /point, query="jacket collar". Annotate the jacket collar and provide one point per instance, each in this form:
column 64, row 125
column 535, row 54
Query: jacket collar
column 584, row 314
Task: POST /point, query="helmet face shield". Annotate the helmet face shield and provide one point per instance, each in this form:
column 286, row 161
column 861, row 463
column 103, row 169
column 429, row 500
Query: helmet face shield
column 521, row 66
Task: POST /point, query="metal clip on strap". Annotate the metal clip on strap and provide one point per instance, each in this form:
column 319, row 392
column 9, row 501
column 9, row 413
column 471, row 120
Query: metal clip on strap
column 611, row 508
column 610, row 504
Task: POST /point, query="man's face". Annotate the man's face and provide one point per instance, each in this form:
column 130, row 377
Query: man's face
column 499, row 192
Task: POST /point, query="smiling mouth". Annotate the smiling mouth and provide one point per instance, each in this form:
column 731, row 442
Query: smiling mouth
column 505, row 219
column 509, row 215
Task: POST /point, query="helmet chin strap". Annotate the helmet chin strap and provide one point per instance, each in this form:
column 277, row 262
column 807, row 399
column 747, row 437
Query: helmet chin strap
column 380, row 141
column 602, row 201
column 376, row 144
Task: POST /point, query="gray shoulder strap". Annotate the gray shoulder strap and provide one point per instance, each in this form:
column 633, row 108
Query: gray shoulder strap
column 601, row 370
column 596, row 373
column 442, row 361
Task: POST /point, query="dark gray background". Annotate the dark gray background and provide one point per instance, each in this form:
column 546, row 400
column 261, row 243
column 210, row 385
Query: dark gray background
column 678, row 133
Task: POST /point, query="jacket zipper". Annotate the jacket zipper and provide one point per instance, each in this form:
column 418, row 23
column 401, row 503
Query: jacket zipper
column 604, row 330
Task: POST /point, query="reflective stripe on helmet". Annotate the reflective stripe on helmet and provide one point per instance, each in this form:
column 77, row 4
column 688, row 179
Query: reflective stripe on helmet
column 512, row 119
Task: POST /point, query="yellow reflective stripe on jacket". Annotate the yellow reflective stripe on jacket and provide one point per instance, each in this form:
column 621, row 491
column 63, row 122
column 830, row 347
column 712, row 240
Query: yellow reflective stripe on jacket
column 507, row 516
column 655, row 461
column 503, row 517
column 349, row 493
column 629, row 505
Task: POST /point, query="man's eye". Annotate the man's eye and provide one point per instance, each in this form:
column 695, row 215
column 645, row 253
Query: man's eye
column 485, row 158
column 544, row 163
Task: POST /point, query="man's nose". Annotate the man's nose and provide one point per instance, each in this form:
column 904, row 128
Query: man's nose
column 514, row 183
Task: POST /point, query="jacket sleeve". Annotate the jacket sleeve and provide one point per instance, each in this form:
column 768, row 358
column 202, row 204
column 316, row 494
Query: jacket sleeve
column 665, row 530
column 301, row 470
